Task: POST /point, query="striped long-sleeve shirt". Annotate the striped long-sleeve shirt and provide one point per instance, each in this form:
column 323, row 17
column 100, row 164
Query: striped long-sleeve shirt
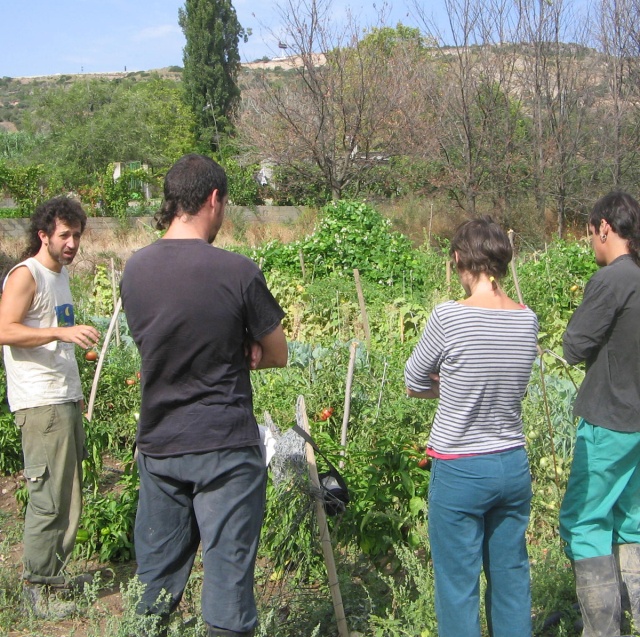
column 484, row 358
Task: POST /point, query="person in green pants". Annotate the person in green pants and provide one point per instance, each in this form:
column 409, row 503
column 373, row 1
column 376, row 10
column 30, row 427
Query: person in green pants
column 39, row 335
column 600, row 514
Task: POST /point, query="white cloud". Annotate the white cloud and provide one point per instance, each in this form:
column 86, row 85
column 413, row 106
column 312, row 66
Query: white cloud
column 154, row 33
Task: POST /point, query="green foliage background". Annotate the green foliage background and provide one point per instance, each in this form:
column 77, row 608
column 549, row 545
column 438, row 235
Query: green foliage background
column 381, row 538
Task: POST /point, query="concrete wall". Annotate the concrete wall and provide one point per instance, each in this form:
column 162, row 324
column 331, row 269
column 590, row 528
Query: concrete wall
column 16, row 228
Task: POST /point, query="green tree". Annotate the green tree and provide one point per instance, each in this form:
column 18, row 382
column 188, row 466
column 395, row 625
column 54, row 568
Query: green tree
column 83, row 127
column 25, row 184
column 211, row 66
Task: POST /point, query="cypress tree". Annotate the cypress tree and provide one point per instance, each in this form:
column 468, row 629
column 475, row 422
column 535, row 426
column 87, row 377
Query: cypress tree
column 211, row 65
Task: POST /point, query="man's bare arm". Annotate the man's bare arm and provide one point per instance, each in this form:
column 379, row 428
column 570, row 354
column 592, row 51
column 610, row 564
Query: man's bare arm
column 274, row 352
column 16, row 301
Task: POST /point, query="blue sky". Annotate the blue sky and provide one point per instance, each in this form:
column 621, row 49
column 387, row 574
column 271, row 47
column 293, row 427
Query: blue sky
column 44, row 37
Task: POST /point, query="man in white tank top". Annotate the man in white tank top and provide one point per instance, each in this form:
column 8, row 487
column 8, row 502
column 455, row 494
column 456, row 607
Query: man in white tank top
column 38, row 334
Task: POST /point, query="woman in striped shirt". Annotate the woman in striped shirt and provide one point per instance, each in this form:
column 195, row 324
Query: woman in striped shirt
column 476, row 356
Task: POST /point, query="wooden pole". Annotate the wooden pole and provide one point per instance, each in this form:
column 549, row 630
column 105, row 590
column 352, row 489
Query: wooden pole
column 363, row 308
column 549, row 422
column 384, row 377
column 114, row 293
column 514, row 272
column 103, row 351
column 301, row 257
column 347, row 397
column 325, row 539
column 448, row 276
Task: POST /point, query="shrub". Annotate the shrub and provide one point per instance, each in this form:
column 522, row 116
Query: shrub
column 350, row 235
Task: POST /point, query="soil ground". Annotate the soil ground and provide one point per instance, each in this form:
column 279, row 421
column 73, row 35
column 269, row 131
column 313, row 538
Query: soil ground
column 109, row 601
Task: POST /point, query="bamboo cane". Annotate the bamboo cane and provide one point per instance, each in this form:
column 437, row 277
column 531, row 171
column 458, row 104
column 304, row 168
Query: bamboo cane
column 543, row 384
column 114, row 293
column 548, row 414
column 103, row 351
column 363, row 308
column 301, row 257
column 325, row 539
column 347, row 398
column 384, row 377
column 513, row 267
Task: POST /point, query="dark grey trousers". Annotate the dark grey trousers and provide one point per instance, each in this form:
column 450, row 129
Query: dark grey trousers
column 216, row 498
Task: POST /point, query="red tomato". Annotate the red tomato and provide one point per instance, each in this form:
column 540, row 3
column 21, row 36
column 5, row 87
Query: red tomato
column 424, row 463
column 326, row 413
column 91, row 355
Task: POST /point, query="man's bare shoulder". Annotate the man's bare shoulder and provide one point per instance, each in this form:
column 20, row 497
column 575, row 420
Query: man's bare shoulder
column 19, row 277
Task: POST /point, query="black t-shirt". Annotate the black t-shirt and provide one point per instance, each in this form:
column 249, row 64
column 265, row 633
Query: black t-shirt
column 190, row 307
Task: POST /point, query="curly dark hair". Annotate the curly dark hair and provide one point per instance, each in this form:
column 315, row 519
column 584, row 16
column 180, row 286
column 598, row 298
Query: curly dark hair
column 187, row 185
column 482, row 246
column 622, row 212
column 45, row 217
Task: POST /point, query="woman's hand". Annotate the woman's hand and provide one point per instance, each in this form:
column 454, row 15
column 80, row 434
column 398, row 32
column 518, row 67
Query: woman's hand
column 433, row 392
column 435, row 385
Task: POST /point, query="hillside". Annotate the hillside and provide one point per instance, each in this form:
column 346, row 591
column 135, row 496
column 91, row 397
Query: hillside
column 17, row 93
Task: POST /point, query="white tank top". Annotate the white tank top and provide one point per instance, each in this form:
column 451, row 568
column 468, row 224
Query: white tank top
column 48, row 374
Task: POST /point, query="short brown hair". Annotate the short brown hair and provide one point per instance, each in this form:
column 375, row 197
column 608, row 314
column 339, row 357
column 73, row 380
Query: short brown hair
column 622, row 212
column 482, row 246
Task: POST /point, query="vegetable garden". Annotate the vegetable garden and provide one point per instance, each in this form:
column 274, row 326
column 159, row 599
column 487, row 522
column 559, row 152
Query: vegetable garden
column 380, row 540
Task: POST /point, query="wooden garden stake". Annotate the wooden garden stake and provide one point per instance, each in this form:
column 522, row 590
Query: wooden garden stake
column 448, row 276
column 325, row 539
column 363, row 308
column 114, row 293
column 301, row 256
column 347, row 397
column 514, row 273
column 103, row 351
column 384, row 377
column 548, row 414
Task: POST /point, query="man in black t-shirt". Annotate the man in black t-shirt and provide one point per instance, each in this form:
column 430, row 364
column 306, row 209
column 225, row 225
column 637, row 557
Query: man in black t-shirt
column 202, row 318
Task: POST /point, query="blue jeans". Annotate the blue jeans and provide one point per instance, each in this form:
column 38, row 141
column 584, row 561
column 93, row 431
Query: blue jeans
column 478, row 514
column 601, row 506
column 216, row 498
